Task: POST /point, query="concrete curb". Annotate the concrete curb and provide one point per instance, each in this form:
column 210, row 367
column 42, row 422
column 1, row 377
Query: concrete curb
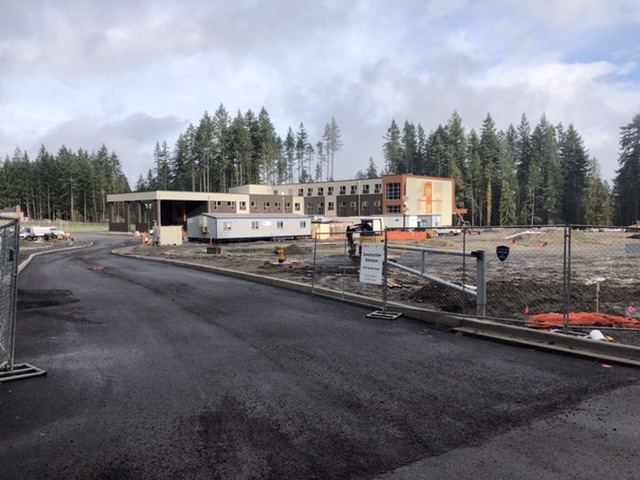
column 611, row 352
column 26, row 263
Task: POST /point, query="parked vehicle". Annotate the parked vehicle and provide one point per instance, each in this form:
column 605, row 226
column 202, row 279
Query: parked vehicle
column 58, row 234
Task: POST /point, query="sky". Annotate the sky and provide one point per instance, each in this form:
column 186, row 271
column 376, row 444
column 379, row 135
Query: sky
column 130, row 73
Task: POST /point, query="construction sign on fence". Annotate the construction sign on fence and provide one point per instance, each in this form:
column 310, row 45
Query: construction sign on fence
column 371, row 262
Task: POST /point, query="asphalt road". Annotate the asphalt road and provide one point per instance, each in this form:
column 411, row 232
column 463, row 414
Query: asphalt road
column 160, row 372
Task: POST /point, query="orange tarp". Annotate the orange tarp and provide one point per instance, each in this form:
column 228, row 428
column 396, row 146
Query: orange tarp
column 545, row 320
column 399, row 235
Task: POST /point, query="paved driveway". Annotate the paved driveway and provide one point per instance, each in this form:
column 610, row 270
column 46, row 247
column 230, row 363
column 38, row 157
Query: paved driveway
column 159, row 372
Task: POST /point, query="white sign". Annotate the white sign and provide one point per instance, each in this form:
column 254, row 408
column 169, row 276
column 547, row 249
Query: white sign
column 371, row 262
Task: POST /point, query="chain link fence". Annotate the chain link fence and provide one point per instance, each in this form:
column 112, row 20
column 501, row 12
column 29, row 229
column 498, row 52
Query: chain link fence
column 530, row 272
column 9, row 247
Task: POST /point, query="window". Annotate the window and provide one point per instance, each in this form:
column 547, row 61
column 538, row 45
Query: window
column 275, row 192
column 280, row 224
column 354, row 189
column 393, row 191
column 303, row 224
column 296, row 206
column 343, row 205
column 267, row 205
column 310, row 192
column 393, row 208
column 243, row 205
column 254, row 205
column 287, row 205
column 329, row 190
column 231, row 205
column 377, row 205
column 320, row 206
column 226, row 225
column 300, row 192
column 365, row 189
column 343, row 190
column 331, row 206
column 277, row 205
column 377, row 188
column 309, row 207
column 353, row 205
column 320, row 191
column 365, row 204
column 217, row 204
column 255, row 225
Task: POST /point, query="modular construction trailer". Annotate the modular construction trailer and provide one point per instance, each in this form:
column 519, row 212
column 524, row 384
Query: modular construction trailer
column 229, row 227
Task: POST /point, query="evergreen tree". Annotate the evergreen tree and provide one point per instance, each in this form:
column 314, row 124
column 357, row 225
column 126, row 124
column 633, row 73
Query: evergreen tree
column 289, row 154
column 333, row 144
column 626, row 191
column 598, row 206
column 490, row 159
column 409, row 147
column 524, row 170
column 508, row 190
column 575, row 165
column 393, row 149
column 302, row 140
column 372, row 172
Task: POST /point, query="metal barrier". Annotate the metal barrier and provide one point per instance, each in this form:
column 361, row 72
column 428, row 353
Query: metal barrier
column 9, row 247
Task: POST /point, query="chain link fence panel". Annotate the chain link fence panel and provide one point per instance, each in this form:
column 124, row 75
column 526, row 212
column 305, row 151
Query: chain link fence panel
column 9, row 248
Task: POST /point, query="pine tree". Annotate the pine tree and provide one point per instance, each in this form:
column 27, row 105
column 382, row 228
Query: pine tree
column 575, row 165
column 598, row 206
column 490, row 158
column 626, row 191
column 393, row 149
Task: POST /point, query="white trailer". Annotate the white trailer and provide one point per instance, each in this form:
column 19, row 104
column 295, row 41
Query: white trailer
column 229, row 227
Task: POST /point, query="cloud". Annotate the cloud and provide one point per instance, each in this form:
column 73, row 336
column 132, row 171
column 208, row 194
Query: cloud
column 129, row 74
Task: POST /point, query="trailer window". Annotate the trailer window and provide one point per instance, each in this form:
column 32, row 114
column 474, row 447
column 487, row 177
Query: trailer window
column 303, row 224
column 226, row 225
column 255, row 225
column 280, row 224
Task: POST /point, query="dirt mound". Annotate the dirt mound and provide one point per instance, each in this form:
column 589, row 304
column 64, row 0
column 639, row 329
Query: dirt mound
column 295, row 250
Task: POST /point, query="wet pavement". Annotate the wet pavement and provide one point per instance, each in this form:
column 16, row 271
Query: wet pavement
column 160, row 372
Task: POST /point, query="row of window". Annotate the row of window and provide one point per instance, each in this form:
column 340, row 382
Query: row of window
column 255, row 225
column 255, row 205
column 366, row 189
column 377, row 205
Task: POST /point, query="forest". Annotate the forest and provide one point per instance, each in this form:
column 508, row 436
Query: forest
column 524, row 175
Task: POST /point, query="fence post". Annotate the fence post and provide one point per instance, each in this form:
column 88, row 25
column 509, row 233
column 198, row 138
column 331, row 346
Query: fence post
column 384, row 272
column 315, row 253
column 481, row 299
column 566, row 280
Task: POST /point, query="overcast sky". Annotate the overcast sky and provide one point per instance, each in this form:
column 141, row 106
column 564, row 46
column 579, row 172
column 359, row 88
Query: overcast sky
column 129, row 73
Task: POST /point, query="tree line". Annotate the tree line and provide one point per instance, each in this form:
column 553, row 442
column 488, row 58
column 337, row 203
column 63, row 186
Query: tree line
column 521, row 176
column 69, row 185
column 224, row 151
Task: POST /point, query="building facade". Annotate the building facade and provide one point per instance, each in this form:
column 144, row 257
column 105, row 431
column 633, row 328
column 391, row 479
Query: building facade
column 389, row 195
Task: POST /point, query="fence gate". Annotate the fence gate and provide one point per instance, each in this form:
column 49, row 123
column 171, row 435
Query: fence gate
column 9, row 259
